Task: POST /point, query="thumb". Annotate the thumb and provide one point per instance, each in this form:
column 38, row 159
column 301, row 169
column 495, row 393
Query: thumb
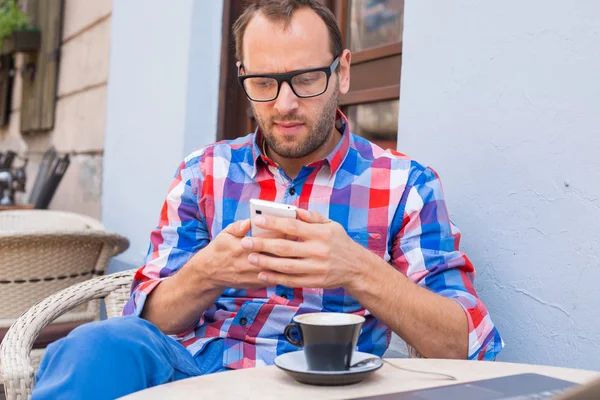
column 312, row 217
column 239, row 228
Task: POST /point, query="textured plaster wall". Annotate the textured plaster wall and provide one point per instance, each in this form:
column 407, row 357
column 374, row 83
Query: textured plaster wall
column 503, row 100
column 162, row 105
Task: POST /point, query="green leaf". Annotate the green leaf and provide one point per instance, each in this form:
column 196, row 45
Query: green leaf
column 12, row 18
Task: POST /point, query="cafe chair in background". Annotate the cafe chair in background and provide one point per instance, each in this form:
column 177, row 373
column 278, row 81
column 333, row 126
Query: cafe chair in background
column 17, row 372
column 43, row 252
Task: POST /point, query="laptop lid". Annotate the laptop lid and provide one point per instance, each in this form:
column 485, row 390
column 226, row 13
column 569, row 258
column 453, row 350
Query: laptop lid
column 488, row 389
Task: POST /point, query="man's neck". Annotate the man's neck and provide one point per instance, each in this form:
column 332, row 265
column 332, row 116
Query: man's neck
column 292, row 166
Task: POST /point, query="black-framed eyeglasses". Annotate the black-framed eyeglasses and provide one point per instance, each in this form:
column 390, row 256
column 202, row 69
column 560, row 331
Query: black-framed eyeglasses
column 304, row 83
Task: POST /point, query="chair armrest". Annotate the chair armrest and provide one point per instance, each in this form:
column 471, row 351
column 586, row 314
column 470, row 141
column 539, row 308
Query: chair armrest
column 15, row 363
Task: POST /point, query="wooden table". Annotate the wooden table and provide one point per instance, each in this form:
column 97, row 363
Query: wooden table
column 17, row 207
column 270, row 382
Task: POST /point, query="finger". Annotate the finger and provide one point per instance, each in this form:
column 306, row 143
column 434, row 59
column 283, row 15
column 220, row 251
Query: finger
column 280, row 247
column 239, row 229
column 311, row 217
column 285, row 265
column 292, row 238
column 288, row 226
column 292, row 281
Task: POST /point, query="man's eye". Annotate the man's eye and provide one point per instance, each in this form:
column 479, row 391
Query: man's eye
column 307, row 78
column 263, row 82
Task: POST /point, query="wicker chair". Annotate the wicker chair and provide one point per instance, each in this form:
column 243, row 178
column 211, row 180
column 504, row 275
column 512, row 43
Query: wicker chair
column 17, row 371
column 42, row 252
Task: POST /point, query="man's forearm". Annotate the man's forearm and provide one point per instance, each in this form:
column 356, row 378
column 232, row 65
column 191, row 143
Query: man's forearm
column 435, row 326
column 176, row 304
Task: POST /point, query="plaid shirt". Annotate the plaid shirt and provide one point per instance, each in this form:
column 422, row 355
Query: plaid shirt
column 386, row 202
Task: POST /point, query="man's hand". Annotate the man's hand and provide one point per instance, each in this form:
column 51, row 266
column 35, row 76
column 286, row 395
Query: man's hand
column 175, row 304
column 324, row 256
column 229, row 266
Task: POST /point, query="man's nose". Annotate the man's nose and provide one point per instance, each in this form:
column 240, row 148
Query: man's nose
column 287, row 101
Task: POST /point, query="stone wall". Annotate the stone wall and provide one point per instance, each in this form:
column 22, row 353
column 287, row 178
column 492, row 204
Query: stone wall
column 80, row 109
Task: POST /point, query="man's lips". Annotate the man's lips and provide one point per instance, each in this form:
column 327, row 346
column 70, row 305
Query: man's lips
column 288, row 127
column 288, row 124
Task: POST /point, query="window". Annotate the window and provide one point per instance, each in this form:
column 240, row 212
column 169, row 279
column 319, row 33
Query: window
column 234, row 117
column 372, row 30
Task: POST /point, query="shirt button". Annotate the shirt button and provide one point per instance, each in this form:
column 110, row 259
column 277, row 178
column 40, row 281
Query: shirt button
column 243, row 321
column 292, row 191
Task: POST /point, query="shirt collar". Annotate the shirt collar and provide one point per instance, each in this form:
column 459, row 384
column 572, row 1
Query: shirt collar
column 334, row 159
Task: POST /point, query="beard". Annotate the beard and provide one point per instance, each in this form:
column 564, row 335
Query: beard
column 319, row 129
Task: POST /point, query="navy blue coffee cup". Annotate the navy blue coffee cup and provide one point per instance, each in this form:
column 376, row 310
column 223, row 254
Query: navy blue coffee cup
column 328, row 339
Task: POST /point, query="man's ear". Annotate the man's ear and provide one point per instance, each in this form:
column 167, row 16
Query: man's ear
column 344, row 71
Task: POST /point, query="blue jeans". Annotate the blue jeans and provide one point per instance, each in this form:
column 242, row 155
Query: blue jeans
column 116, row 357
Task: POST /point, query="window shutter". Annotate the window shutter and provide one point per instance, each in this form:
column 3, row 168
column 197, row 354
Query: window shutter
column 6, row 65
column 40, row 71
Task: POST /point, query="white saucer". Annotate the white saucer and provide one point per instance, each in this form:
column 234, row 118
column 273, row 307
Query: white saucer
column 294, row 364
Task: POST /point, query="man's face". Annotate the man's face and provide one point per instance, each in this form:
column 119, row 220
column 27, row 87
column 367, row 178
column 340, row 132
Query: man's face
column 294, row 127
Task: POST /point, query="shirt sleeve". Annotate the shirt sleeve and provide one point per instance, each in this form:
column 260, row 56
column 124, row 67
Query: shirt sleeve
column 426, row 250
column 181, row 232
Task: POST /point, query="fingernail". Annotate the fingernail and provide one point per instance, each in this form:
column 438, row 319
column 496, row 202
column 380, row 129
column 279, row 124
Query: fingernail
column 262, row 277
column 247, row 243
column 253, row 258
column 259, row 220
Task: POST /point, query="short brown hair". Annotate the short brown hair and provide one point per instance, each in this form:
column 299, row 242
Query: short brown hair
column 282, row 11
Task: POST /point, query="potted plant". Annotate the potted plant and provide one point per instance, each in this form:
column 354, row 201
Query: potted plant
column 16, row 32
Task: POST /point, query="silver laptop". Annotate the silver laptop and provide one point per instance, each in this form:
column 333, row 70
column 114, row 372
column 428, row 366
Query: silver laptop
column 513, row 387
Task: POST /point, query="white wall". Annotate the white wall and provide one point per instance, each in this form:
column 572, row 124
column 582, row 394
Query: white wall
column 162, row 104
column 503, row 100
column 204, row 72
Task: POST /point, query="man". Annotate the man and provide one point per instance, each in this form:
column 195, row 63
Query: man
column 374, row 235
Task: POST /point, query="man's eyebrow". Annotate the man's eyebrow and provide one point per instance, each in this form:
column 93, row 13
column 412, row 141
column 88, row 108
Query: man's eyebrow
column 248, row 72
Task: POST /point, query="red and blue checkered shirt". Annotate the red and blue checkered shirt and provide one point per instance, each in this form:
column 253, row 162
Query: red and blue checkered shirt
column 387, row 202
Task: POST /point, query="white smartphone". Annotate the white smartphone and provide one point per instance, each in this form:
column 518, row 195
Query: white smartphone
column 264, row 207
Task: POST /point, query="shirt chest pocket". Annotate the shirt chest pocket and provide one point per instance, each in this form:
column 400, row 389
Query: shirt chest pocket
column 375, row 241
